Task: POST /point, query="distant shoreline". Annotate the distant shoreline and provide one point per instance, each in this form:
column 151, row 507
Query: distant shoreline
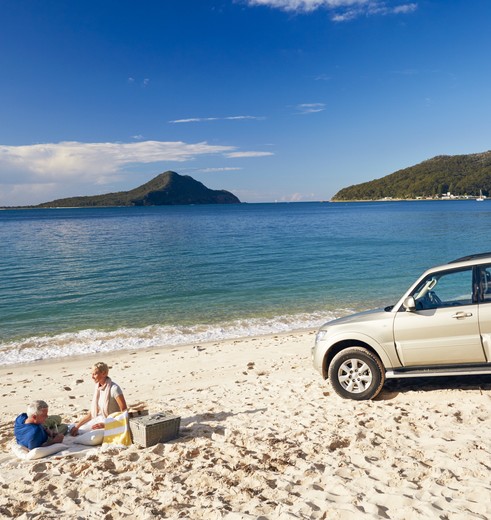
column 333, row 201
column 452, row 199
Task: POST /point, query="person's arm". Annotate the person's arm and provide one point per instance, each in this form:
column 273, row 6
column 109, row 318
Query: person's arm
column 79, row 424
column 122, row 406
column 53, row 440
column 121, row 402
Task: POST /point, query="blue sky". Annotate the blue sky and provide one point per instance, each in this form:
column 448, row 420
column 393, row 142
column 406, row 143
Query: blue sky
column 271, row 99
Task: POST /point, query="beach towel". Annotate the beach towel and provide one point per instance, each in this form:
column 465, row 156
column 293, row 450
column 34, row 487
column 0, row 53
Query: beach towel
column 117, row 430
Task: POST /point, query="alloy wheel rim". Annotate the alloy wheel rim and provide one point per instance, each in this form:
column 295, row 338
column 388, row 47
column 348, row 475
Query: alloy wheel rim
column 355, row 375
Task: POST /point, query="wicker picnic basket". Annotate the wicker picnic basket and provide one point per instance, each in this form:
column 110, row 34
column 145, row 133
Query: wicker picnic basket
column 151, row 429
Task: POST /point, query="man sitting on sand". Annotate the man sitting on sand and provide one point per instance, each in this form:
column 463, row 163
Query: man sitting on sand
column 29, row 427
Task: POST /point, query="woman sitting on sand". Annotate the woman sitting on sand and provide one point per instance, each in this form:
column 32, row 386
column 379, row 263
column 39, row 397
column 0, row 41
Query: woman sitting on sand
column 108, row 398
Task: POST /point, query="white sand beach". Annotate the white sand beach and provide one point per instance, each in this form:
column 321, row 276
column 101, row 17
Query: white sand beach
column 262, row 437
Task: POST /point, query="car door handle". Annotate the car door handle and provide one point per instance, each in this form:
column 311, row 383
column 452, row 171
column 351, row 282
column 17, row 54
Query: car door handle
column 460, row 315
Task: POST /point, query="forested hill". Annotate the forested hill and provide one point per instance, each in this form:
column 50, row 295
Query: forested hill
column 461, row 175
column 168, row 188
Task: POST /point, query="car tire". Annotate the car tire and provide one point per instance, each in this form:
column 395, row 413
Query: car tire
column 356, row 373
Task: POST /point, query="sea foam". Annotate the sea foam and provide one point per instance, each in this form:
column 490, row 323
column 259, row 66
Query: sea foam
column 92, row 341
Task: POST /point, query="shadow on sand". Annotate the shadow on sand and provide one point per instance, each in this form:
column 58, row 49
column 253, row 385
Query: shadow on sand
column 393, row 387
column 204, row 425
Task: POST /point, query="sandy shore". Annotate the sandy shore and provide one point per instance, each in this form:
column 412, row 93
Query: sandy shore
column 262, row 436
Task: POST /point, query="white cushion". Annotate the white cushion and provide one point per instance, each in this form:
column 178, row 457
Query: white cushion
column 91, row 438
column 37, row 453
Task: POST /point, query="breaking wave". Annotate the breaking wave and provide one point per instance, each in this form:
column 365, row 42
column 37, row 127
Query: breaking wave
column 91, row 341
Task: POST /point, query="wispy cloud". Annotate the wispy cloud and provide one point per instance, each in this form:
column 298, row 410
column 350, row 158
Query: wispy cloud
column 341, row 10
column 322, row 77
column 213, row 170
column 240, row 155
column 299, row 197
column 205, row 119
column 310, row 108
column 144, row 83
column 67, row 159
column 54, row 167
column 406, row 72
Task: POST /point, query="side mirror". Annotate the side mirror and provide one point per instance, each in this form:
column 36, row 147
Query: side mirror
column 410, row 304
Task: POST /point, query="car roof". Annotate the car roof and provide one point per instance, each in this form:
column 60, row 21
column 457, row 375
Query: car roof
column 468, row 258
column 465, row 261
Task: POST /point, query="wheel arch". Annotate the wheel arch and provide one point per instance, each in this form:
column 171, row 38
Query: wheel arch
column 347, row 343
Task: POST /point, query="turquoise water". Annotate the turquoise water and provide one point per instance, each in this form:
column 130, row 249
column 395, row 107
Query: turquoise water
column 86, row 280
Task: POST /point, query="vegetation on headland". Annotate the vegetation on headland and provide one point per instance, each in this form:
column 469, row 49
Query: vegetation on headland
column 444, row 176
column 168, row 188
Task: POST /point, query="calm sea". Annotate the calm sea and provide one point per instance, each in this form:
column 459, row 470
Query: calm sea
column 75, row 281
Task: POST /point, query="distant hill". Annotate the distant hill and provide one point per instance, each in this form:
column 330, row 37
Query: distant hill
column 461, row 175
column 168, row 188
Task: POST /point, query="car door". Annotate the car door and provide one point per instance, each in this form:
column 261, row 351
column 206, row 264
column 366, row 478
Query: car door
column 444, row 327
column 484, row 278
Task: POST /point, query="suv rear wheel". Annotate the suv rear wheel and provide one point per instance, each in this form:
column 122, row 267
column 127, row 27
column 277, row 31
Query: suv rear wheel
column 356, row 373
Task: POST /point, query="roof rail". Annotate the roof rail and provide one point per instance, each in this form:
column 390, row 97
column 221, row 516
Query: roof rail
column 470, row 257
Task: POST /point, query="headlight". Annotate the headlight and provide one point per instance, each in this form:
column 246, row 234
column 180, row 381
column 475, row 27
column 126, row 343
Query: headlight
column 320, row 335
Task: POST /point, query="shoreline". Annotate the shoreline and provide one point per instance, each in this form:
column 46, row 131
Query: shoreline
column 92, row 357
column 262, row 435
column 390, row 199
column 85, row 342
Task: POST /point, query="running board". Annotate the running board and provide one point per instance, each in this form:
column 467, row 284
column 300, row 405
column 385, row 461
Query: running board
column 432, row 372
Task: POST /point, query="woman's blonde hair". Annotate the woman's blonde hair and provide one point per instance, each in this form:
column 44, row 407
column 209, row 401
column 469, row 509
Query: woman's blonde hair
column 101, row 367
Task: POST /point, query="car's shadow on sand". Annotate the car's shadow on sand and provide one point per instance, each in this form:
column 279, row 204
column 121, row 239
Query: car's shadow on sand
column 394, row 387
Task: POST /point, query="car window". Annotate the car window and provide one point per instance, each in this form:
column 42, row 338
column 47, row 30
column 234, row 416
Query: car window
column 485, row 284
column 448, row 289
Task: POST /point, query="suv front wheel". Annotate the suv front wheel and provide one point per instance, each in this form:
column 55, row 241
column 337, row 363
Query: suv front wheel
column 356, row 373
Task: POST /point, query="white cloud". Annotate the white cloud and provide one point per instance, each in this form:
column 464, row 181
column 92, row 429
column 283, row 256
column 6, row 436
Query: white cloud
column 341, row 10
column 322, row 77
column 304, row 5
column 144, row 82
column 205, row 119
column 46, row 171
column 194, row 120
column 214, row 170
column 67, row 159
column 406, row 8
column 300, row 197
column 310, row 108
column 240, row 155
column 236, row 118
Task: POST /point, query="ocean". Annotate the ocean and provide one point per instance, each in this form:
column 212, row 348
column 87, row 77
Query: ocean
column 76, row 281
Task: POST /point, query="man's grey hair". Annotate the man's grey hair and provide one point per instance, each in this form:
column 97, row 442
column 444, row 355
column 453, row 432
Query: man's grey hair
column 35, row 408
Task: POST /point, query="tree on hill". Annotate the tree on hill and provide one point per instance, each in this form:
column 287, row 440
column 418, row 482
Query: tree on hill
column 462, row 175
column 168, row 188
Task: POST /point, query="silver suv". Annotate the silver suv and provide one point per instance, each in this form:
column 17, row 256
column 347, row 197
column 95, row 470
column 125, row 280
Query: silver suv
column 440, row 327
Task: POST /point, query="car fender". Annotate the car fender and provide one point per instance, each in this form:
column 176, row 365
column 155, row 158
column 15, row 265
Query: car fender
column 333, row 343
